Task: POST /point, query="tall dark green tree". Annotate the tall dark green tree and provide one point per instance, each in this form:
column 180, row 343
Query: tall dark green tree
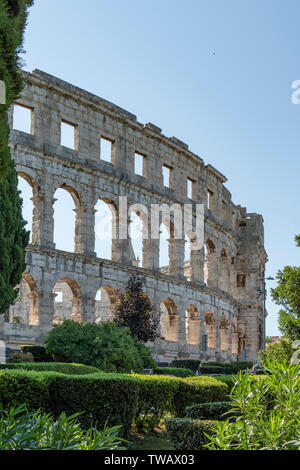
column 287, row 295
column 13, row 237
column 134, row 310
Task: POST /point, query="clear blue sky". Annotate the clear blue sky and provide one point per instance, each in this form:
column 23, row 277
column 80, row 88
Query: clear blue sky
column 216, row 74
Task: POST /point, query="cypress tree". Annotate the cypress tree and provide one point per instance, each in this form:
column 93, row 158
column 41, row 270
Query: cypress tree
column 13, row 236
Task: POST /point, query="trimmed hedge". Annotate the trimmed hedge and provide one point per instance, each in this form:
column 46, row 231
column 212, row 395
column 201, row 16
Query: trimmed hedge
column 223, row 367
column 196, row 390
column 156, row 399
column 101, row 397
column 188, row 434
column 210, row 411
column 62, row 367
column 175, row 371
column 38, row 352
column 186, row 364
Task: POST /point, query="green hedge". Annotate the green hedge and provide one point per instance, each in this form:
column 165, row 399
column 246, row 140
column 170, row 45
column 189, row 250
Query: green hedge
column 156, row 399
column 101, row 397
column 186, row 364
column 188, row 434
column 223, row 367
column 63, row 367
column 214, row 411
column 196, row 390
column 175, row 371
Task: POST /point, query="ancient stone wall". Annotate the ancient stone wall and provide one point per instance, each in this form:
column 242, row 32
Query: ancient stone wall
column 208, row 304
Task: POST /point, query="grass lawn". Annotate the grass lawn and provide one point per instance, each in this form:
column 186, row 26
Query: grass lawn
column 156, row 440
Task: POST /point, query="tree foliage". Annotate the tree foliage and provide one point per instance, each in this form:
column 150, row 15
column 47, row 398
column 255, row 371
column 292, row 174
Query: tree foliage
column 105, row 346
column 133, row 309
column 287, row 295
column 13, row 236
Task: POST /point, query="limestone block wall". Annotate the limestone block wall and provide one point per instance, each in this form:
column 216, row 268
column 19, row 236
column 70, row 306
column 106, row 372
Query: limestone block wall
column 208, row 306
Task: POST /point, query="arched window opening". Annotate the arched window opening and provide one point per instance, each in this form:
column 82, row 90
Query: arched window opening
column 210, row 329
column 64, row 220
column 193, row 325
column 105, row 228
column 27, row 194
column 164, row 250
column 105, row 302
column 169, row 320
column 67, row 301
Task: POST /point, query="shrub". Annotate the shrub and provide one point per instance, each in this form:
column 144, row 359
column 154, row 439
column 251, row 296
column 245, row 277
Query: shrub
column 63, row 367
column 38, row 352
column 196, row 390
column 175, row 371
column 204, row 370
column 156, row 399
column 20, row 430
column 105, row 346
column 266, row 410
column 188, row 434
column 214, row 411
column 186, row 364
column 101, row 398
column 20, row 357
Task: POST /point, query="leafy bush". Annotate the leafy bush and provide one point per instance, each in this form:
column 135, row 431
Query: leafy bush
column 20, row 430
column 186, row 364
column 175, row 371
column 63, row 367
column 277, row 351
column 101, row 398
column 188, row 434
column 20, row 357
column 38, row 352
column 196, row 390
column 215, row 411
column 266, row 411
column 204, row 370
column 156, row 399
column 105, row 346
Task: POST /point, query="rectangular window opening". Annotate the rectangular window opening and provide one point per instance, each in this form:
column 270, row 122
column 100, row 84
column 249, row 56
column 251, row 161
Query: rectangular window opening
column 167, row 176
column 210, row 199
column 69, row 135
column 106, row 150
column 140, row 164
column 241, row 280
column 190, row 188
column 23, row 117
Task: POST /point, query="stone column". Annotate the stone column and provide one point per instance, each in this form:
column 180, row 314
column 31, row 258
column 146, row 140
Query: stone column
column 43, row 221
column 46, row 310
column 176, row 257
column 33, row 298
column 225, row 275
column 197, row 266
column 213, row 270
column 85, row 230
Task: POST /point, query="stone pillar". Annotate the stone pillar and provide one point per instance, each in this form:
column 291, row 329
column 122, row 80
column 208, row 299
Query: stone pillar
column 150, row 250
column 197, row 266
column 46, row 310
column 85, row 230
column 77, row 308
column 33, row 298
column 213, row 270
column 225, row 275
column 88, row 308
column 176, row 257
column 43, row 220
column 194, row 332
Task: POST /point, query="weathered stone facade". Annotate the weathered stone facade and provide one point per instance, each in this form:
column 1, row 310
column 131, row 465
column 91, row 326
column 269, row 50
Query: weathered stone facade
column 209, row 307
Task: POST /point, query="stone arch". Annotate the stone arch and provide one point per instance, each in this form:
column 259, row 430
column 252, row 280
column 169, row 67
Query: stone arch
column 169, row 320
column 26, row 308
column 66, row 213
column 105, row 302
column 68, row 300
column 193, row 325
column 106, row 229
column 210, row 325
column 139, row 234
